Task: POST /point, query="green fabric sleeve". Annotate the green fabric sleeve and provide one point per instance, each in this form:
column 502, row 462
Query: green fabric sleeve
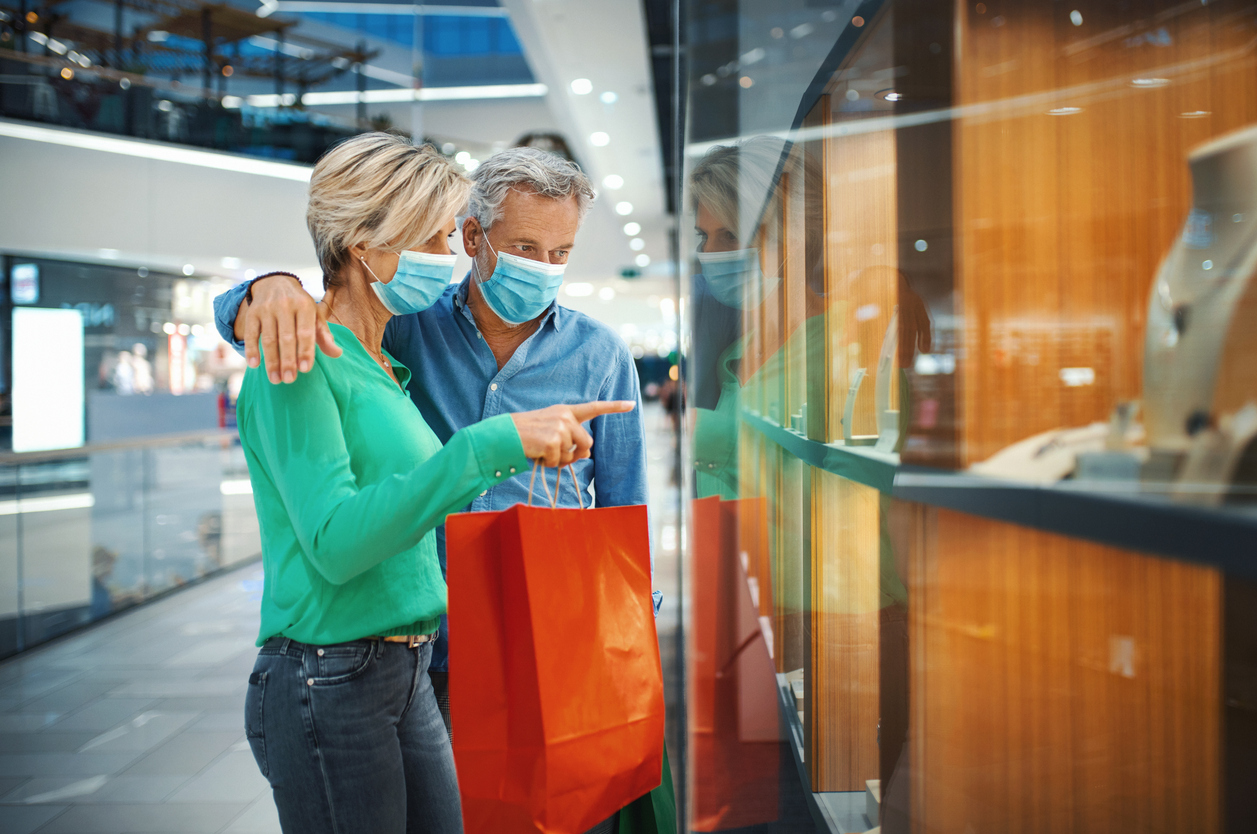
column 343, row 528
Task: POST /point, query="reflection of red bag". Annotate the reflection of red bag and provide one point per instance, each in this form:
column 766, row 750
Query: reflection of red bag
column 557, row 691
column 734, row 721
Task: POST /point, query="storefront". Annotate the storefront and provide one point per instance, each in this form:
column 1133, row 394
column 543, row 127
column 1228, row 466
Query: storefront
column 971, row 368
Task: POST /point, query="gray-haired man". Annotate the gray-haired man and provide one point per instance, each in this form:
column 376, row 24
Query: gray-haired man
column 494, row 343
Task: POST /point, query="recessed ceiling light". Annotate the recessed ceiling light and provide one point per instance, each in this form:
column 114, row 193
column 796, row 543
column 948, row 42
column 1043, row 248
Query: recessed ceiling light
column 608, row 97
column 613, row 181
column 1075, row 17
column 1064, row 111
column 599, row 139
column 624, row 208
column 637, row 244
column 1150, row 83
column 606, row 294
column 642, row 260
column 188, row 269
column 230, row 263
column 582, row 86
column 631, row 229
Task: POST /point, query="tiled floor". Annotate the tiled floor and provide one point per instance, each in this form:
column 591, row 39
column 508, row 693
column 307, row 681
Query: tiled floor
column 136, row 724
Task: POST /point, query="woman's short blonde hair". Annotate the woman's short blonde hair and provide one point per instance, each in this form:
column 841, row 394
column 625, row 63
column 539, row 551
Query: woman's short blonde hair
column 379, row 190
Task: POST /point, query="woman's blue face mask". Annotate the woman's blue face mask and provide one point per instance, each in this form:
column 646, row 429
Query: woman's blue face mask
column 735, row 278
column 520, row 289
column 420, row 279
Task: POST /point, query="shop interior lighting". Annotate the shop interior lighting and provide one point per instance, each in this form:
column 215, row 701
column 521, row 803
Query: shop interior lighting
column 624, row 209
column 1064, row 111
column 1194, row 114
column 578, row 289
column 631, row 229
column 613, row 181
column 637, row 244
column 608, row 97
column 1075, row 17
column 188, row 269
column 582, row 86
column 1149, row 83
column 599, row 139
column 156, row 151
column 400, row 94
column 642, row 260
column 606, row 294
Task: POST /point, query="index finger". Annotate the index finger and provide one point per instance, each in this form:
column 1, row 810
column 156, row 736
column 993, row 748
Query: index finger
column 588, row 411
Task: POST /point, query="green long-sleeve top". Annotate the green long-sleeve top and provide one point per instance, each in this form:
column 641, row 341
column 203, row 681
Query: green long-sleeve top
column 349, row 484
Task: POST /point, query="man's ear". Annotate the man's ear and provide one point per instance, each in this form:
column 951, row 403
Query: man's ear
column 472, row 236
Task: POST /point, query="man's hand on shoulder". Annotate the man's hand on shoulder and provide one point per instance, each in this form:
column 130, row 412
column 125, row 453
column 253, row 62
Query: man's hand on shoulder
column 287, row 323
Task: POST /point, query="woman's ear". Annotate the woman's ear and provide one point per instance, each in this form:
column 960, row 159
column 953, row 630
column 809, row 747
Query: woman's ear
column 358, row 251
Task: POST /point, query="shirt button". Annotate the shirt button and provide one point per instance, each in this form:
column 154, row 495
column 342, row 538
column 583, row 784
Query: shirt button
column 512, row 470
column 479, row 336
column 493, row 386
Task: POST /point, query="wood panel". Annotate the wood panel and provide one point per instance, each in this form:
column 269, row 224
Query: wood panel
column 1058, row 685
column 842, row 684
column 861, row 269
column 1070, row 184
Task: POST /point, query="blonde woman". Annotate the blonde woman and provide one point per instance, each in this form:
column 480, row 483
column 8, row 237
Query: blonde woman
column 349, row 483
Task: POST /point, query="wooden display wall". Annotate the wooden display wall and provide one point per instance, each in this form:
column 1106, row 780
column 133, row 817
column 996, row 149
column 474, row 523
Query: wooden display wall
column 1070, row 184
column 1058, row 685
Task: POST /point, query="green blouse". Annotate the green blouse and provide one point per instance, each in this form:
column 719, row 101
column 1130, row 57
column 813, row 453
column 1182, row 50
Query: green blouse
column 349, row 484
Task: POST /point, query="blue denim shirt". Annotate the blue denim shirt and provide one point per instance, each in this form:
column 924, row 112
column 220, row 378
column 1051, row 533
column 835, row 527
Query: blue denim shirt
column 455, row 382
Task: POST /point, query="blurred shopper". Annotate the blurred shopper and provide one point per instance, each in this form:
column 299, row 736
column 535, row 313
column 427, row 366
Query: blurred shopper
column 493, row 343
column 349, row 483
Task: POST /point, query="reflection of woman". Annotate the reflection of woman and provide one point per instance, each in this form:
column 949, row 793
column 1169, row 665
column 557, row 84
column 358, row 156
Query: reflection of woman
column 349, row 483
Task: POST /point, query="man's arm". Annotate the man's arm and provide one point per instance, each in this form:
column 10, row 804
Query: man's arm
column 283, row 318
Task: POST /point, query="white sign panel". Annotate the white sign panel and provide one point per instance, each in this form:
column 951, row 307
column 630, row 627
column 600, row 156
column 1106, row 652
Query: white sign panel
column 47, row 379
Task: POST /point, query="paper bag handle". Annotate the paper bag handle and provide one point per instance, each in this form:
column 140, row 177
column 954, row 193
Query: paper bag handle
column 558, row 481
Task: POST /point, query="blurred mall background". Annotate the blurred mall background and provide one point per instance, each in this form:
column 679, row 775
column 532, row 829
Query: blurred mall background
column 952, row 449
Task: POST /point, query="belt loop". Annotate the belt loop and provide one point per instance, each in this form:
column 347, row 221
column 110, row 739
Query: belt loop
column 283, row 647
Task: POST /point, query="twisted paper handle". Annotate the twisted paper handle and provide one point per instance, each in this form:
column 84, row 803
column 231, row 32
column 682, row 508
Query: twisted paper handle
column 554, row 501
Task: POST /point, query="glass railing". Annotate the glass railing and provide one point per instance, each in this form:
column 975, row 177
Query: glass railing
column 88, row 532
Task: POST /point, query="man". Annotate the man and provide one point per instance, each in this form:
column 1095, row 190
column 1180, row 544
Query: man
column 493, row 344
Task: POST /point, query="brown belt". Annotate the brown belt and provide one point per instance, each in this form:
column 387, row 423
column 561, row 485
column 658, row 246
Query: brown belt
column 411, row 640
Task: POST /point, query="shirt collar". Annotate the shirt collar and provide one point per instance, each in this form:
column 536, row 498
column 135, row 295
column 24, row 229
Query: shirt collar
column 552, row 315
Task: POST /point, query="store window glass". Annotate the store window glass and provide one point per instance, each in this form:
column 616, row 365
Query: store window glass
column 969, row 365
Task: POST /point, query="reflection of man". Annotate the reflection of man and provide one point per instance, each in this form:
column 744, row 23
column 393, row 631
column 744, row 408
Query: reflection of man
column 493, row 344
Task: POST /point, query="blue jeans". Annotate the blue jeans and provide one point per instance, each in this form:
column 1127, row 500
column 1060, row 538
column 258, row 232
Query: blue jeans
column 350, row 738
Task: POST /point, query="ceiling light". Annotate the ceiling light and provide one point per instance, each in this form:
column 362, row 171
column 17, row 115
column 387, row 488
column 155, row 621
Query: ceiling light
column 747, row 82
column 67, row 73
column 599, row 139
column 608, row 97
column 606, row 294
column 631, row 229
column 582, row 86
column 1150, row 83
column 625, row 208
column 613, row 181
column 642, row 260
column 637, row 244
column 1075, row 17
column 169, row 328
column 109, row 254
column 1064, row 111
column 1194, row 114
column 579, row 289
column 188, row 269
column 462, row 157
column 230, row 263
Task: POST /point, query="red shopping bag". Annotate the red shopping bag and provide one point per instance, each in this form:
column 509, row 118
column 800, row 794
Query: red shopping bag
column 556, row 691
column 734, row 713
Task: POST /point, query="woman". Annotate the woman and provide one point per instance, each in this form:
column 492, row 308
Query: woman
column 349, row 483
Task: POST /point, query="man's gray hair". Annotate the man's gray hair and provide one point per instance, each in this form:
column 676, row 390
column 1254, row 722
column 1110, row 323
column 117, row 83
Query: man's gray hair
column 525, row 169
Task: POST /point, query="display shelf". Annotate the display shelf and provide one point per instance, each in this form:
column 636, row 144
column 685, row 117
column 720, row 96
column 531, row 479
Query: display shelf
column 1225, row 538
column 840, row 812
column 856, row 463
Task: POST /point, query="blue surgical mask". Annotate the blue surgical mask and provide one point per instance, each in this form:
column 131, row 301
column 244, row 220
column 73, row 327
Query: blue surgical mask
column 420, row 279
column 735, row 278
column 520, row 289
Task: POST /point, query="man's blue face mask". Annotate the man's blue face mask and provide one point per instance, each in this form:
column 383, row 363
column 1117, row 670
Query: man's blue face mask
column 519, row 289
column 420, row 279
